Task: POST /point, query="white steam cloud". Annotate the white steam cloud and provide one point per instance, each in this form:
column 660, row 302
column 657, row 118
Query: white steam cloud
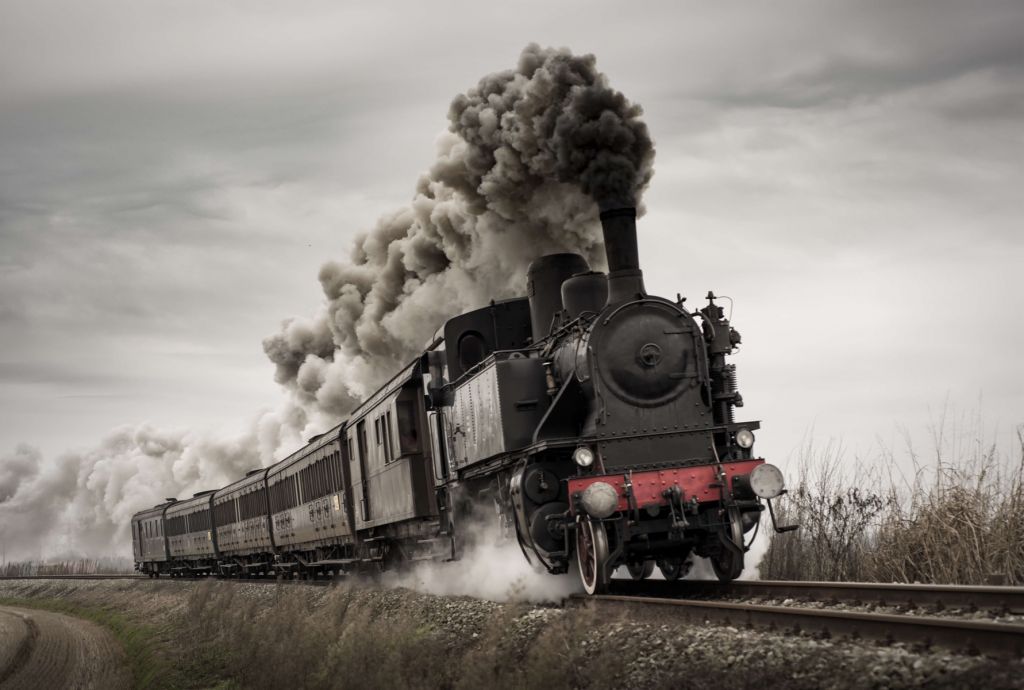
column 80, row 503
column 492, row 567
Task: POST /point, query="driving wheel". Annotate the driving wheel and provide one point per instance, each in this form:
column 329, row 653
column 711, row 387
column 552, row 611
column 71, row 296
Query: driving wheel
column 728, row 563
column 591, row 554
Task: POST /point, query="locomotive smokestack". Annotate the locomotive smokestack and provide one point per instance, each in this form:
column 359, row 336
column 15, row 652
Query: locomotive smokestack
column 625, row 279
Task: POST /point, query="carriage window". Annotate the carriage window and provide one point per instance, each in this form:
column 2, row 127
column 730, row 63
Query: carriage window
column 362, row 447
column 472, row 349
column 408, row 433
column 387, row 437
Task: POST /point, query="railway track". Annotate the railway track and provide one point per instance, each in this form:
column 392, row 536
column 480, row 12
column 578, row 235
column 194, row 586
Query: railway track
column 908, row 597
column 1001, row 600
column 809, row 607
column 73, row 577
column 708, row 602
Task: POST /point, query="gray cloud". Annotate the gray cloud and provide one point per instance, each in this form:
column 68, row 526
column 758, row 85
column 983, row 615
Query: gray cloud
column 36, row 373
column 173, row 177
column 908, row 52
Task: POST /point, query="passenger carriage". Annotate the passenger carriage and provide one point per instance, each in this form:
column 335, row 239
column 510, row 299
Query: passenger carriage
column 191, row 540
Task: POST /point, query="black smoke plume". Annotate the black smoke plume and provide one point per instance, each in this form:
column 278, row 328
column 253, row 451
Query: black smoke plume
column 528, row 153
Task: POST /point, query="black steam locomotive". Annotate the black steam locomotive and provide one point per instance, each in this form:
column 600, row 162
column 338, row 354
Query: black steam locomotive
column 596, row 422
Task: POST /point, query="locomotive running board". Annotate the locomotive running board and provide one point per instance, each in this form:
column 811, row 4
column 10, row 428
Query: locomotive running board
column 337, row 561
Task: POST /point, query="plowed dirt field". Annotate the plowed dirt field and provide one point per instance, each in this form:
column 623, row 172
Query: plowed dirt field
column 39, row 649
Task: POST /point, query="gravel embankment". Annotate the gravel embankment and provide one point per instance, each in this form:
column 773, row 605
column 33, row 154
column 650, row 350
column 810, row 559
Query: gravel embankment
column 263, row 635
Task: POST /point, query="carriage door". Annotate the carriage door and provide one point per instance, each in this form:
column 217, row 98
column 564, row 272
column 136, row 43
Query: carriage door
column 437, row 449
column 364, row 502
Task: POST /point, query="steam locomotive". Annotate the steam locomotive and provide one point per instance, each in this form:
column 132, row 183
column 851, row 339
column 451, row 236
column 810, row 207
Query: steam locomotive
column 595, row 421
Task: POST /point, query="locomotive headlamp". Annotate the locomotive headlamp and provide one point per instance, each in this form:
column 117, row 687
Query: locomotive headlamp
column 583, row 456
column 744, row 438
column 600, row 500
column 766, row 481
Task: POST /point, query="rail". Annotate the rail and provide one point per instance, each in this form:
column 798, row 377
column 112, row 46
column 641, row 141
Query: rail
column 956, row 633
column 937, row 597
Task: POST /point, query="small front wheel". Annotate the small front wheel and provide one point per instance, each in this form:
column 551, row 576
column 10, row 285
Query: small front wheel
column 674, row 568
column 641, row 570
column 727, row 566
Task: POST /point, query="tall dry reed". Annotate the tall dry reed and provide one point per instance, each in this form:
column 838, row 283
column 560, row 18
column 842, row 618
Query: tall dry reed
column 75, row 566
column 958, row 518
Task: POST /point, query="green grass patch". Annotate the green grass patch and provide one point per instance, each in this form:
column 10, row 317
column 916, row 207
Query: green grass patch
column 149, row 649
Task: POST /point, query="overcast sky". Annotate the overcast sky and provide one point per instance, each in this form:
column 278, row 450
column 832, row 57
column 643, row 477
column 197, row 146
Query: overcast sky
column 173, row 174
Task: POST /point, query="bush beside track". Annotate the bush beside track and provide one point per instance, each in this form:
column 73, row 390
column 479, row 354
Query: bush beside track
column 210, row 634
column 956, row 519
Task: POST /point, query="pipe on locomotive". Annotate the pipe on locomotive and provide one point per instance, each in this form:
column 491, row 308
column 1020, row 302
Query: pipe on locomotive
column 554, row 277
column 625, row 279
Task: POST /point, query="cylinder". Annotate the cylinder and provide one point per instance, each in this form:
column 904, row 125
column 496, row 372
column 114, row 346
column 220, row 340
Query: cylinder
column 584, row 292
column 625, row 279
column 544, row 288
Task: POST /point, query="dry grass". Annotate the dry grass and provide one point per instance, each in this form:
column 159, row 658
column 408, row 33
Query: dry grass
column 958, row 519
column 334, row 643
column 77, row 566
column 351, row 638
